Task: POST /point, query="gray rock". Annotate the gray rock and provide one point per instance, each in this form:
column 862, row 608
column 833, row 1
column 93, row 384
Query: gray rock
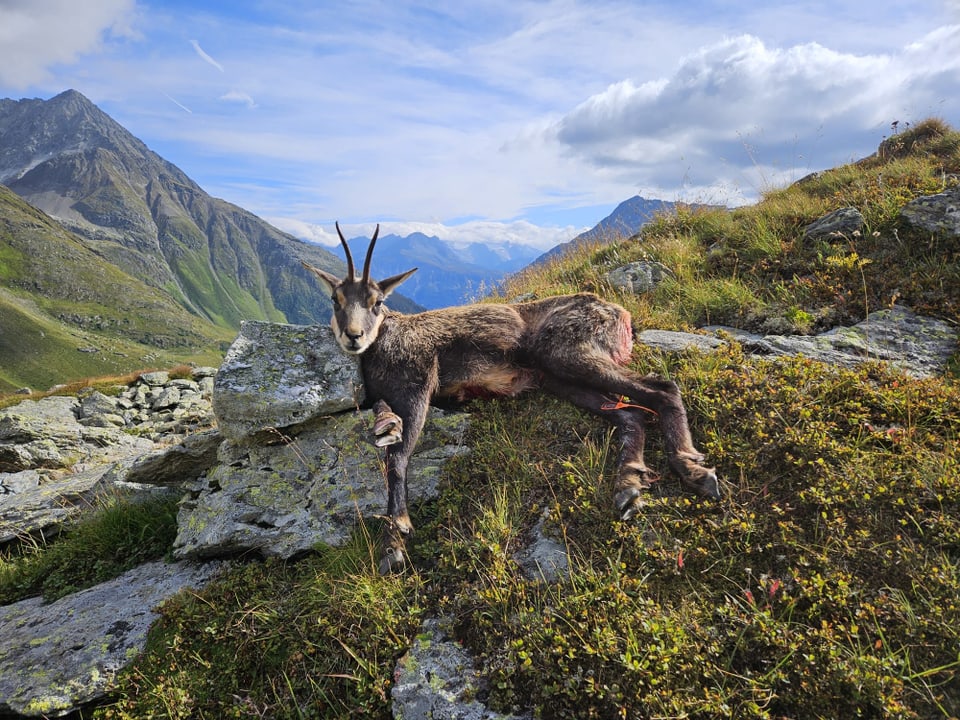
column 543, row 558
column 39, row 419
column 175, row 465
column 167, row 398
column 57, row 657
column 277, row 376
column 638, row 277
column 59, row 454
column 199, row 373
column 920, row 346
column 40, row 509
column 437, row 679
column 96, row 403
column 155, row 379
column 938, row 213
column 843, row 222
column 282, row 496
column 20, row 482
column 46, row 433
column 671, row 341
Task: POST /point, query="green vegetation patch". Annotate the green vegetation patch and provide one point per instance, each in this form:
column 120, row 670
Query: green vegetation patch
column 119, row 536
column 318, row 638
column 825, row 585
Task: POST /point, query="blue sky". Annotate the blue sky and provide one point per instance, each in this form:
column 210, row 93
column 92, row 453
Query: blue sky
column 490, row 119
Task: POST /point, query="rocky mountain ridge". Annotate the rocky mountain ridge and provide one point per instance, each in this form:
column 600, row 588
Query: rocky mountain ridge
column 146, row 216
column 626, row 220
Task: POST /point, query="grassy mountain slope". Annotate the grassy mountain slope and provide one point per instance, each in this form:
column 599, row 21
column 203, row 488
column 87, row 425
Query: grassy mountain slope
column 824, row 585
column 60, row 301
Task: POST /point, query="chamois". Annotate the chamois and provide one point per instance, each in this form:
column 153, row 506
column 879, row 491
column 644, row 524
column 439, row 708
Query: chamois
column 573, row 346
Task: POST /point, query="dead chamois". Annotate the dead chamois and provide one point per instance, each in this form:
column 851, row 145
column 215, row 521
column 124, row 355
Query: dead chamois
column 573, row 346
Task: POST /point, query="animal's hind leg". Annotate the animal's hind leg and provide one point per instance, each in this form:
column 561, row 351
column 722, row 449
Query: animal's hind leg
column 663, row 397
column 633, row 476
column 682, row 455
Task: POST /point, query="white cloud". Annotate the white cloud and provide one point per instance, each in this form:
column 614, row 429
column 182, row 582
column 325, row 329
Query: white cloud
column 739, row 105
column 204, row 56
column 36, row 35
column 479, row 231
column 235, row 96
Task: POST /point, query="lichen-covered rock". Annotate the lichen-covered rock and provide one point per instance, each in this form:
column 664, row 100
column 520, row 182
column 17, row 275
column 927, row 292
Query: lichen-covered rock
column 638, row 277
column 40, row 508
column 283, row 496
column 938, row 213
column 544, row 558
column 671, row 341
column 57, row 657
column 437, row 679
column 174, row 465
column 275, row 376
column 59, row 453
column 39, row 433
column 843, row 222
column 918, row 345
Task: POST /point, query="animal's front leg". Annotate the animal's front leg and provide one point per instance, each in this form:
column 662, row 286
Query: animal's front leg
column 412, row 415
column 387, row 425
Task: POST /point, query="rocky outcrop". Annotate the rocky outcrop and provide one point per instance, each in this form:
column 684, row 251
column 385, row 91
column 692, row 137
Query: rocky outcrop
column 297, row 467
column 918, row 345
column 59, row 453
column 58, row 657
column 275, row 376
column 307, row 485
column 843, row 222
column 938, row 213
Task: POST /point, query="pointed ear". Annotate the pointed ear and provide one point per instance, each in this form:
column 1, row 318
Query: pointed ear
column 388, row 285
column 328, row 280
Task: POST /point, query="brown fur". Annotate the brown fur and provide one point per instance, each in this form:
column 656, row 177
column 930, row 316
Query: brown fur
column 573, row 346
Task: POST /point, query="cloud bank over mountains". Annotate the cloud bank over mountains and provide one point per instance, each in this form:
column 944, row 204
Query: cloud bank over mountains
column 516, row 119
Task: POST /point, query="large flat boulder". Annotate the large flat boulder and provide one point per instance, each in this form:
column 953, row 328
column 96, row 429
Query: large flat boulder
column 59, row 656
column 275, row 376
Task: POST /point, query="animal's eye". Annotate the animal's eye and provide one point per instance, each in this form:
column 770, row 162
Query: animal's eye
column 378, row 306
column 336, row 303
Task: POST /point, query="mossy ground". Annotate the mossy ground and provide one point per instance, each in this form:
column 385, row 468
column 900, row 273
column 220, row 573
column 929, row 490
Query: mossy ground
column 825, row 584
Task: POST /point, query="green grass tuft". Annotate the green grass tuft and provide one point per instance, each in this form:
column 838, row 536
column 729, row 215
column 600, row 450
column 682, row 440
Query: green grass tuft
column 105, row 543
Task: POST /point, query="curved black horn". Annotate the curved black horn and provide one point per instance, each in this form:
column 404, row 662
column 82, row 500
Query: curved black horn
column 366, row 262
column 346, row 249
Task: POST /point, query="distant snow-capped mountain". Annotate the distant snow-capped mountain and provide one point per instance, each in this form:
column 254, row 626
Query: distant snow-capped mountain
column 449, row 274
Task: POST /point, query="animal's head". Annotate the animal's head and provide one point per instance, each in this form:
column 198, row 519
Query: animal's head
column 357, row 301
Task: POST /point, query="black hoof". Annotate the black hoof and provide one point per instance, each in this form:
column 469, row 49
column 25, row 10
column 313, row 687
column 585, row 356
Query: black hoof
column 629, row 502
column 393, row 560
column 706, row 486
column 387, row 429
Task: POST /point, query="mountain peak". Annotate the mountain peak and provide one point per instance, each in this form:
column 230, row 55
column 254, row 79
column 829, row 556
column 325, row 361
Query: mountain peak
column 33, row 130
